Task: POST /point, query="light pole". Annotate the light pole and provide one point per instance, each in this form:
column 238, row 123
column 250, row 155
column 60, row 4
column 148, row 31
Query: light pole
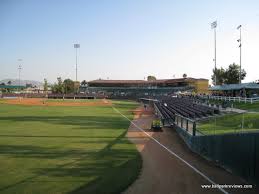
column 214, row 26
column 76, row 46
column 240, row 46
column 19, row 70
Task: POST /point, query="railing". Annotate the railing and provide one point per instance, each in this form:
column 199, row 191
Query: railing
column 233, row 99
column 186, row 124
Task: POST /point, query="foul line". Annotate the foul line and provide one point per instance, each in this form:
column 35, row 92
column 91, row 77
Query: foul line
column 171, row 152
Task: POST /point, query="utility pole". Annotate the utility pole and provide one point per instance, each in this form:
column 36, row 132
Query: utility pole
column 19, row 71
column 214, row 26
column 240, row 46
column 76, row 46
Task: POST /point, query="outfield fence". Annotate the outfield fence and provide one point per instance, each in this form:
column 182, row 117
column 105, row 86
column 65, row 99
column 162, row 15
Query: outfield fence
column 237, row 153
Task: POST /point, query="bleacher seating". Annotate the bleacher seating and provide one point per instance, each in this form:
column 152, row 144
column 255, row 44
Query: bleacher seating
column 184, row 106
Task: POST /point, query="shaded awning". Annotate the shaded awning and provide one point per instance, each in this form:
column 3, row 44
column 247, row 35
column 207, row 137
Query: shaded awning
column 227, row 87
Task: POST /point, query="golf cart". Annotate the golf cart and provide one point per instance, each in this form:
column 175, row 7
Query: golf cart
column 156, row 125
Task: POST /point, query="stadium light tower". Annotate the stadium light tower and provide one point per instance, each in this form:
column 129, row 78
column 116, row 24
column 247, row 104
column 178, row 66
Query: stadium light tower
column 214, row 26
column 19, row 70
column 240, row 45
column 76, row 46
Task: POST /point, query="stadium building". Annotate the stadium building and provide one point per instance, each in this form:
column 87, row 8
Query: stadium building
column 140, row 88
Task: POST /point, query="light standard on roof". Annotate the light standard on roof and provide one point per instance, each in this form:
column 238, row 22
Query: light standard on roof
column 76, row 46
column 240, row 45
column 214, row 26
column 19, row 71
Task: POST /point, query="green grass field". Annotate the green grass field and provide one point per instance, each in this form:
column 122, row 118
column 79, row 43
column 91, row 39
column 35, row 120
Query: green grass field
column 247, row 106
column 66, row 149
column 241, row 105
column 231, row 123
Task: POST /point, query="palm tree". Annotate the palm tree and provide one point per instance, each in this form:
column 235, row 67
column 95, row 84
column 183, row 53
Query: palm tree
column 84, row 83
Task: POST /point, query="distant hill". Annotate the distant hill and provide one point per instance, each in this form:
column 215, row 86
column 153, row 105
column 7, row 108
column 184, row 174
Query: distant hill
column 23, row 82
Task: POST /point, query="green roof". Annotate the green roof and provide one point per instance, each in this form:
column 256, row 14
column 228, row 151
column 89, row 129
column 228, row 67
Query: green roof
column 235, row 87
column 11, row 87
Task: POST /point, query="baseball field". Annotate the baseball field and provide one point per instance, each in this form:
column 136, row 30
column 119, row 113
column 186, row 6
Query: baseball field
column 66, row 148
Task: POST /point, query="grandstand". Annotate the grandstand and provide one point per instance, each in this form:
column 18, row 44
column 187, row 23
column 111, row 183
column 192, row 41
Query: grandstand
column 142, row 88
column 69, row 96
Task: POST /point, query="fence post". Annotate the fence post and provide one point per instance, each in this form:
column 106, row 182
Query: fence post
column 181, row 122
column 174, row 119
column 194, row 129
column 251, row 101
column 187, row 125
column 177, row 120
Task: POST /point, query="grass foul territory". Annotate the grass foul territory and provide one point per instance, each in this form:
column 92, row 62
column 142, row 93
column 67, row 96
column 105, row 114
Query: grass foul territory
column 232, row 123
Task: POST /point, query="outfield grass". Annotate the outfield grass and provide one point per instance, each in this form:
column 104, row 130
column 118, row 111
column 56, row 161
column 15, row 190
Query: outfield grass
column 66, row 149
column 240, row 105
column 231, row 123
column 247, row 106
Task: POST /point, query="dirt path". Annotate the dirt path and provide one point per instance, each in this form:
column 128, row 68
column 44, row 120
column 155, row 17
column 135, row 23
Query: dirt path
column 163, row 173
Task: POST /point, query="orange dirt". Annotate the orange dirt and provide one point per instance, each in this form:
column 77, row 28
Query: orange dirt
column 43, row 102
column 141, row 112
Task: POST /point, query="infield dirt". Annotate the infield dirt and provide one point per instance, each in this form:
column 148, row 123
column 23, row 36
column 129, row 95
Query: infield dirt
column 44, row 102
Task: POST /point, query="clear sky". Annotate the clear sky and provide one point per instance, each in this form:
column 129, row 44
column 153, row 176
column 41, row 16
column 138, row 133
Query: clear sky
column 125, row 39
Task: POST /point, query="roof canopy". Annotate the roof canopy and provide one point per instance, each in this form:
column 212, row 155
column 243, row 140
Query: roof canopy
column 145, row 81
column 235, row 87
column 11, row 87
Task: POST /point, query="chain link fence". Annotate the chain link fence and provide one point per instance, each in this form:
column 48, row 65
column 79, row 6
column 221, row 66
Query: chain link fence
column 229, row 123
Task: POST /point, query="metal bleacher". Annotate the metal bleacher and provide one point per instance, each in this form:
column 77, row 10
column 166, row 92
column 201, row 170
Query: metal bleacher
column 184, row 107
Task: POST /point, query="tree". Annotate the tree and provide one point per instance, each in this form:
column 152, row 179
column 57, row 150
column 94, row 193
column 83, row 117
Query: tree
column 68, row 86
column 2, row 84
column 58, row 87
column 9, row 82
column 45, row 85
column 151, row 78
column 76, row 86
column 220, row 76
column 229, row 75
column 184, row 75
column 84, row 83
column 232, row 74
